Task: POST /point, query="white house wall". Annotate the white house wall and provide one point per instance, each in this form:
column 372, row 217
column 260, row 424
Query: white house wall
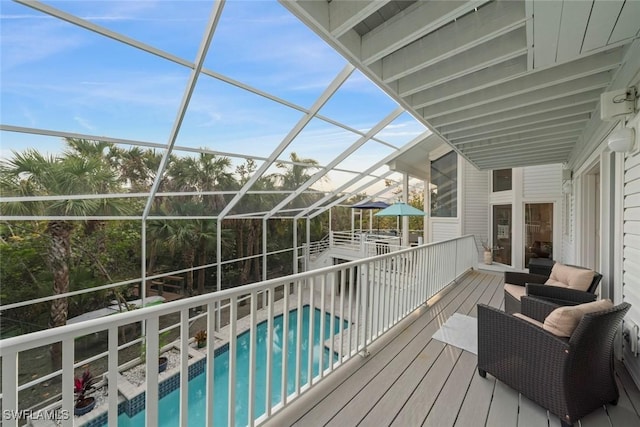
column 631, row 248
column 542, row 182
column 475, row 215
column 444, row 229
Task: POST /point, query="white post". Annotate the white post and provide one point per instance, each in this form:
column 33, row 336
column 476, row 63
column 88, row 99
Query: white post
column 405, row 219
column 295, row 246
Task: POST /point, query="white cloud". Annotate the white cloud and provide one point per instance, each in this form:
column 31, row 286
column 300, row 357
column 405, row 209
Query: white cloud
column 84, row 123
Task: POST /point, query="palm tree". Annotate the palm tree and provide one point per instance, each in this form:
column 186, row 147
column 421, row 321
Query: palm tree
column 32, row 174
column 296, row 173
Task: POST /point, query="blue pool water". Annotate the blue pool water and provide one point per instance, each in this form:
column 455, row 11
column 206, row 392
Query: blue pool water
column 169, row 413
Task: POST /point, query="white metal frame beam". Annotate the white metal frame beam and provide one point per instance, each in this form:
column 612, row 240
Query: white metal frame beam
column 318, row 175
column 302, row 123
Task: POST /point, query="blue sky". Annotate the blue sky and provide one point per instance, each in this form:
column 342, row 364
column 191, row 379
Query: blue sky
column 56, row 75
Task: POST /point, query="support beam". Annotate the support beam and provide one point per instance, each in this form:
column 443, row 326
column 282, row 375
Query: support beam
column 533, row 122
column 497, row 51
column 554, row 124
column 589, row 98
column 422, row 138
column 302, row 123
column 411, row 24
column 337, row 160
column 514, row 94
column 469, row 31
column 344, row 15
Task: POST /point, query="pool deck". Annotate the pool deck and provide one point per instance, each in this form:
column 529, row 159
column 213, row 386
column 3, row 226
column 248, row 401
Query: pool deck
column 410, row 379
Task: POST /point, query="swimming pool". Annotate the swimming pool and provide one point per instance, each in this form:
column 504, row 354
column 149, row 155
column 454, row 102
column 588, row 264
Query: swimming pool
column 169, row 404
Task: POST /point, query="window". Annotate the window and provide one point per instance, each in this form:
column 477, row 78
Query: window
column 501, row 180
column 444, row 186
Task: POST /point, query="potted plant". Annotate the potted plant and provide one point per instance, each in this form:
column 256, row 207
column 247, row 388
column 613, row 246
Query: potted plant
column 201, row 338
column 488, row 254
column 82, row 386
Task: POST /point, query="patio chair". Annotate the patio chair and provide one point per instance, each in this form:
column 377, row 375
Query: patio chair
column 570, row 376
column 566, row 285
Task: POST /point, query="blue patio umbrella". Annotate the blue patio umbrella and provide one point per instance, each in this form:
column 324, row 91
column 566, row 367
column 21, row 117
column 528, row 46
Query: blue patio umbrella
column 400, row 209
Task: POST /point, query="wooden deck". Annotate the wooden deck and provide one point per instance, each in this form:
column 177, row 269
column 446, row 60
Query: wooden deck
column 410, row 379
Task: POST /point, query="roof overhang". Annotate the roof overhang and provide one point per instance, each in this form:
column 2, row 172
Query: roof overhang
column 505, row 83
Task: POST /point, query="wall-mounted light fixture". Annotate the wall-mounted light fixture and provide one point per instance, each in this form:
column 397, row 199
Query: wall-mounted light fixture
column 622, row 140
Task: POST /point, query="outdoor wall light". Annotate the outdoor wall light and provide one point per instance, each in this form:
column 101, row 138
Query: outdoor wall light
column 622, row 140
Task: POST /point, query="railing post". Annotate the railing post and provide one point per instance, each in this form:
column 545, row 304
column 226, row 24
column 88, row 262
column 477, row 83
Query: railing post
column 68, row 357
column 10, row 388
column 364, row 285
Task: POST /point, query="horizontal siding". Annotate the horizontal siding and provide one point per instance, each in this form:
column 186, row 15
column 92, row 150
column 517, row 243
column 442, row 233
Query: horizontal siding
column 631, row 252
column 543, row 182
column 475, row 215
column 441, row 230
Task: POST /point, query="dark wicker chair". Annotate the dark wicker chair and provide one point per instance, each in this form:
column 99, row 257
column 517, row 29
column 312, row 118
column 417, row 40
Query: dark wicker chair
column 570, row 377
column 556, row 294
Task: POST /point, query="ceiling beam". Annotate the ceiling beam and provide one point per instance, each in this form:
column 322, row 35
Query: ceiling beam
column 532, row 119
column 523, row 151
column 574, row 70
column 495, row 51
column 415, row 22
column 344, row 15
column 553, row 105
column 481, row 79
column 502, row 147
column 560, row 131
column 478, row 106
column 552, row 124
column 549, row 156
column 528, row 161
column 471, row 30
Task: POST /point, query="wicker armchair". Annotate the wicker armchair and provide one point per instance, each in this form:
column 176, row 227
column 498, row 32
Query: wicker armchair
column 570, row 377
column 556, row 294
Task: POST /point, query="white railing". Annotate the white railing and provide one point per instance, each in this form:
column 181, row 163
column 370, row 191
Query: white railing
column 360, row 300
column 316, row 248
column 345, row 240
column 364, row 244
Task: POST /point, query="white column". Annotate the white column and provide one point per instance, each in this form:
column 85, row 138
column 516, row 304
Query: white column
column 405, row 219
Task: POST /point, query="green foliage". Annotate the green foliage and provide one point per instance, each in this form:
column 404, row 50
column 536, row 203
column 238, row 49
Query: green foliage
column 88, row 254
column 163, row 339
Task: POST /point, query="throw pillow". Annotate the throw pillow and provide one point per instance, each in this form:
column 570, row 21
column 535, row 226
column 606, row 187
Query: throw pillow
column 563, row 320
column 570, row 277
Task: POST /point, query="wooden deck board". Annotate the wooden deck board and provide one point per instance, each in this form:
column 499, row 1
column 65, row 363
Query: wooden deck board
column 371, row 367
column 531, row 414
column 504, row 406
column 477, row 401
column 410, row 379
column 417, row 406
